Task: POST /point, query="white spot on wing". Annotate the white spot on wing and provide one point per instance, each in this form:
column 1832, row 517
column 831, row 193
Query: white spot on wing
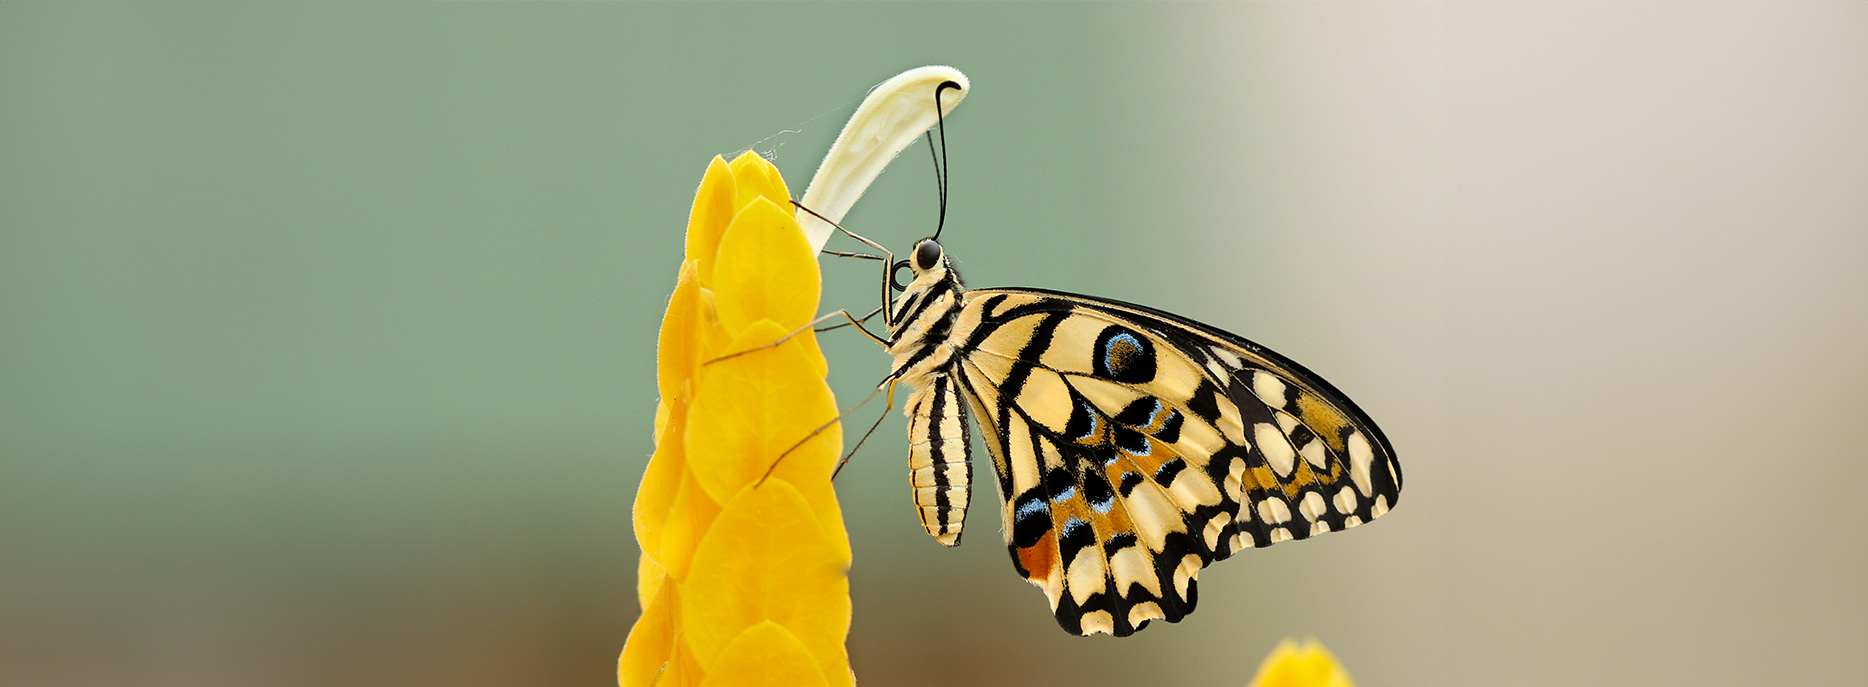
column 1361, row 455
column 1276, row 448
column 1273, row 510
column 1214, row 527
column 1268, row 388
column 1086, row 574
column 1146, row 610
column 1131, row 565
column 1346, row 500
column 1380, row 506
column 1312, row 507
column 1316, row 455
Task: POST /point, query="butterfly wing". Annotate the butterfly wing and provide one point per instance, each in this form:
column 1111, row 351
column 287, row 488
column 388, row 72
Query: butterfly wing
column 1134, row 447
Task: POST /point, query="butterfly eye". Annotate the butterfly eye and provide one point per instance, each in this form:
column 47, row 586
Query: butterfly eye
column 927, row 254
column 895, row 275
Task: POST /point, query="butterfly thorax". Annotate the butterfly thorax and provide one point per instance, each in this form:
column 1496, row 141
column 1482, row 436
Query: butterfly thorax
column 921, row 323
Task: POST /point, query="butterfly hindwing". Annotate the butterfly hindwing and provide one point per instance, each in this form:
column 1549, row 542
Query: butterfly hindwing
column 1133, row 448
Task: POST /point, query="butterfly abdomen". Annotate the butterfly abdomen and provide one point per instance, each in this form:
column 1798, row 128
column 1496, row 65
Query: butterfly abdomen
column 939, row 459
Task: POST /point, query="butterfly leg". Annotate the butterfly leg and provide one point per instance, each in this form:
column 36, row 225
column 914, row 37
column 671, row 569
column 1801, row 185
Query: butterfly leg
column 887, row 384
column 843, row 254
column 888, row 262
column 812, row 325
column 859, row 321
column 890, row 405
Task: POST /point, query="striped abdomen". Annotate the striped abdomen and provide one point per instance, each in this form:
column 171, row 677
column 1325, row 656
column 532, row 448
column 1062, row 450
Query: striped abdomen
column 939, row 460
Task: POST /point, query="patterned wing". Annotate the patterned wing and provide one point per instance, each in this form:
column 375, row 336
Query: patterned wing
column 1134, row 447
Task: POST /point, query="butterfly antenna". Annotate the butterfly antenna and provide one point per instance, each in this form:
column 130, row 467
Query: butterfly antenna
column 942, row 161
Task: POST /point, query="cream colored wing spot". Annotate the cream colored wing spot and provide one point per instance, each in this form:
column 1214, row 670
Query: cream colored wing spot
column 1360, row 458
column 1073, row 345
column 1273, row 510
column 1268, row 388
column 1214, row 529
column 1285, row 421
column 1277, row 449
column 1108, row 397
column 1046, row 399
column 1380, row 506
column 1317, row 455
column 1146, row 610
column 1131, row 566
column 1346, row 500
column 1312, row 506
column 1086, row 574
column 1154, row 517
column 1024, row 463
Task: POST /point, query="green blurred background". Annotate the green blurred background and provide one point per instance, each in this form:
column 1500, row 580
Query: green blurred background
column 327, row 331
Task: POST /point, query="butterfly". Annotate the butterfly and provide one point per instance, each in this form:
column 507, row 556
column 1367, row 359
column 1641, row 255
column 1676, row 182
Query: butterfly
column 1131, row 447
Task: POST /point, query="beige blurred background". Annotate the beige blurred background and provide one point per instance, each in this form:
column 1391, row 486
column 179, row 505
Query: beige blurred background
column 327, row 350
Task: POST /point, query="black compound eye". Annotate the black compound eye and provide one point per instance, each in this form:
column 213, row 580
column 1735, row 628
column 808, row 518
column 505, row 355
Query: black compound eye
column 895, row 275
column 927, row 255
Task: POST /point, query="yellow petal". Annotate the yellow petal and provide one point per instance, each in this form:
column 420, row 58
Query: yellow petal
column 655, row 497
column 1301, row 665
column 661, row 420
column 765, row 654
column 766, row 270
column 651, row 642
column 822, row 495
column 757, row 178
column 688, row 519
column 763, row 559
column 677, row 350
column 715, row 203
column 650, row 576
column 749, row 409
column 682, row 670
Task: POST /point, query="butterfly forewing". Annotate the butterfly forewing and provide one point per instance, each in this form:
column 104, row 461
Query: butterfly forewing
column 1133, row 447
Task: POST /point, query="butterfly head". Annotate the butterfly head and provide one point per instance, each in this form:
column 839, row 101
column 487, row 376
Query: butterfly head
column 928, row 254
column 928, row 289
column 926, row 265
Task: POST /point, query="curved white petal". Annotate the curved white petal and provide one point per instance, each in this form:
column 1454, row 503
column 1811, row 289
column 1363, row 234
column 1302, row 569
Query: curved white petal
column 896, row 112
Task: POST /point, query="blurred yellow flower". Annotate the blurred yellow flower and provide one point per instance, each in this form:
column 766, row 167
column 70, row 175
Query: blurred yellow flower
column 741, row 585
column 1306, row 664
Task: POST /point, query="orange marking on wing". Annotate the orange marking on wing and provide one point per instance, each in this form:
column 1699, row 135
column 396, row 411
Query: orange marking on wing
column 1259, row 478
column 1038, row 559
column 1075, row 507
column 1324, row 420
column 1106, row 524
column 1304, row 476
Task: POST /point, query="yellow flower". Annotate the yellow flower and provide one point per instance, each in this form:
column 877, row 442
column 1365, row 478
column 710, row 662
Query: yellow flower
column 1308, row 664
column 741, row 584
